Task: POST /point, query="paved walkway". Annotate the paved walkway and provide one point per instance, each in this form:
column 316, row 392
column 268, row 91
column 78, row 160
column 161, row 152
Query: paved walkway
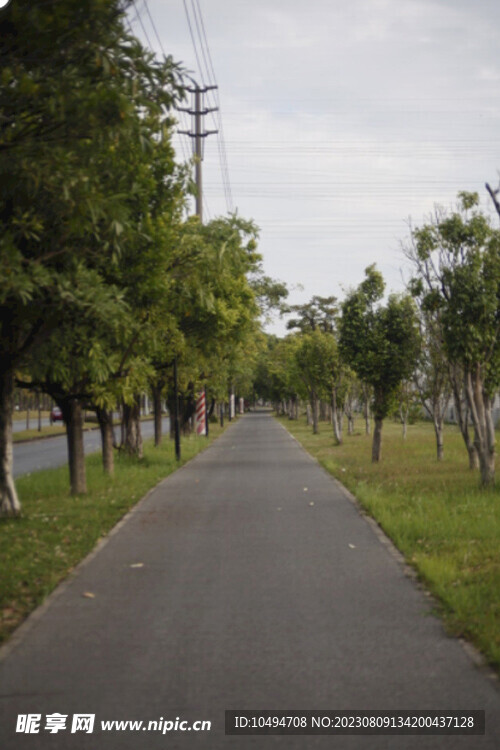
column 231, row 586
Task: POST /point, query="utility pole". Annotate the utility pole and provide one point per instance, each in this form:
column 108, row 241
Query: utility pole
column 197, row 112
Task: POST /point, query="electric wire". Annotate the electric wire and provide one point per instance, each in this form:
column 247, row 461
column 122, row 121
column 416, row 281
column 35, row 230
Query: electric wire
column 212, row 71
column 207, row 73
column 195, row 48
column 186, row 158
column 184, row 121
column 139, row 17
column 185, row 153
column 220, row 138
column 210, row 75
column 154, row 27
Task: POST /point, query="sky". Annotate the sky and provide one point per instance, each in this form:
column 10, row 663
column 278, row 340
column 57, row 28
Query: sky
column 342, row 120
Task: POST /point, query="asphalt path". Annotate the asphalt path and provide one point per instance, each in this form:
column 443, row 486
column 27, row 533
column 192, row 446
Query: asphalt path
column 247, row 580
column 48, row 453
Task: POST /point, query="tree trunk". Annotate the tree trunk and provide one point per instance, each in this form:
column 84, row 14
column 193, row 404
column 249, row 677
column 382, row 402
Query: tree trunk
column 350, row 424
column 132, row 424
column 367, row 410
column 315, row 413
column 480, row 406
column 462, row 413
column 157, row 412
column 105, row 419
column 9, row 501
column 377, row 440
column 323, row 411
column 73, row 419
column 438, row 429
column 473, row 457
column 336, row 419
column 487, row 467
column 308, row 415
column 39, row 407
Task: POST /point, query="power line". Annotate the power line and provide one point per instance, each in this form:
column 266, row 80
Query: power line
column 192, row 37
column 221, row 139
column 202, row 47
column 139, row 17
column 207, row 73
column 200, row 27
column 154, row 27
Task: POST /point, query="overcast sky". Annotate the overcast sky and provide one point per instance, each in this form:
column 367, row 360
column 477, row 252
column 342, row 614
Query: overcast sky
column 341, row 119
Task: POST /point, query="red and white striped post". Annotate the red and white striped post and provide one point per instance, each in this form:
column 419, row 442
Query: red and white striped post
column 201, row 426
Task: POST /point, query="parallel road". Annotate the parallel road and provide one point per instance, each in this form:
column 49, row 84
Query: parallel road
column 49, row 453
column 246, row 580
column 19, row 425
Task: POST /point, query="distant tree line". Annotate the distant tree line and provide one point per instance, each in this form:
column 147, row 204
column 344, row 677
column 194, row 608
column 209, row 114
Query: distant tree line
column 434, row 345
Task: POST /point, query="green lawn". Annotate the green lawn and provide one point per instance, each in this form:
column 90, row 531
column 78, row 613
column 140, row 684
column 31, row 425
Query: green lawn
column 19, row 416
column 56, row 530
column 34, row 433
column 435, row 513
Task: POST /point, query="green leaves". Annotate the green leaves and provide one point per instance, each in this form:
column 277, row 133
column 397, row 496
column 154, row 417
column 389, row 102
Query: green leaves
column 317, row 361
column 381, row 343
column 460, row 280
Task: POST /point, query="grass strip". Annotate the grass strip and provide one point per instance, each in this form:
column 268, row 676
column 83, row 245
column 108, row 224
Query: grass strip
column 446, row 527
column 23, row 436
column 56, row 530
column 20, row 416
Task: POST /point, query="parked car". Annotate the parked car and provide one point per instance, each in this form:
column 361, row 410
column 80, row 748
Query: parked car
column 56, row 415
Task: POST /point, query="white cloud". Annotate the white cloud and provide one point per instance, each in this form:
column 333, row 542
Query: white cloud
column 344, row 118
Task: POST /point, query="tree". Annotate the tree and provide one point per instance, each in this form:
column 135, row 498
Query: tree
column 432, row 377
column 380, row 343
column 494, row 197
column 72, row 363
column 435, row 375
column 320, row 313
column 74, row 86
column 457, row 259
column 316, row 358
column 406, row 403
column 276, row 375
column 216, row 307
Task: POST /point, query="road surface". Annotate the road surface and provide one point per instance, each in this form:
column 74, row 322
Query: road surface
column 48, row 453
column 246, row 580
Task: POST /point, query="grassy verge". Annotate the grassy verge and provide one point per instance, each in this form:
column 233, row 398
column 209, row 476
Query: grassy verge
column 56, row 530
column 34, row 434
column 446, row 527
column 20, row 416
